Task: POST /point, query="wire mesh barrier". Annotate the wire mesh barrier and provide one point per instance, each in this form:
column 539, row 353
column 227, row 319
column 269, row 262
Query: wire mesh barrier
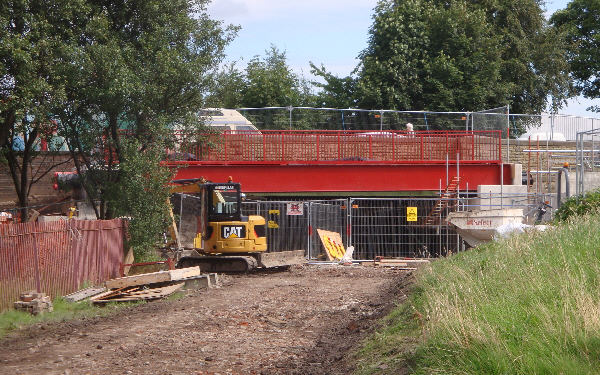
column 58, row 257
column 552, row 127
column 380, row 227
column 375, row 227
column 352, row 119
column 284, row 231
column 587, row 160
column 491, row 119
column 330, row 216
column 344, row 146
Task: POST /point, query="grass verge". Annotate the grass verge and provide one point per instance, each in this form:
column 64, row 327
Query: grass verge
column 529, row 304
column 11, row 319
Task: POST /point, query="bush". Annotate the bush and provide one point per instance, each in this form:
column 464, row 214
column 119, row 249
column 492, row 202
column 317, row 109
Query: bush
column 577, row 206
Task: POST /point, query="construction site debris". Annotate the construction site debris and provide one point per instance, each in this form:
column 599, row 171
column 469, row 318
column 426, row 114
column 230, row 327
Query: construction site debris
column 206, row 281
column 136, row 293
column 34, row 303
column 153, row 278
column 408, row 264
column 84, row 293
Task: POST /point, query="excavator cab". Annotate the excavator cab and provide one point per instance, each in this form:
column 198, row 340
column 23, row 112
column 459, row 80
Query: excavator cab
column 224, row 202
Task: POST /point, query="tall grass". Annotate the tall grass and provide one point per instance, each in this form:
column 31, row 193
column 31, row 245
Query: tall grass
column 529, row 304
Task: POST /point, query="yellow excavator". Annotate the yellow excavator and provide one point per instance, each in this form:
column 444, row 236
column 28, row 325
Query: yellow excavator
column 217, row 237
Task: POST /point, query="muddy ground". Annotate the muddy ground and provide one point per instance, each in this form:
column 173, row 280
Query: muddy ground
column 307, row 320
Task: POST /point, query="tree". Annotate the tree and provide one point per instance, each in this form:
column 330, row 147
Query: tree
column 270, row 82
column 34, row 35
column 461, row 55
column 335, row 92
column 579, row 23
column 138, row 73
column 266, row 82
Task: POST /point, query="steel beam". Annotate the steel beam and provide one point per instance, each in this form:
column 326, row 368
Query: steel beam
column 261, row 178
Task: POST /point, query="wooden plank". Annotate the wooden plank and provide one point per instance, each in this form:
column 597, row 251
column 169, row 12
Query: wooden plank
column 154, row 294
column 152, row 278
column 107, row 294
column 83, row 294
column 128, row 259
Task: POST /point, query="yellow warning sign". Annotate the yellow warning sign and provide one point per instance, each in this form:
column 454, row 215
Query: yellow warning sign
column 272, row 224
column 411, row 214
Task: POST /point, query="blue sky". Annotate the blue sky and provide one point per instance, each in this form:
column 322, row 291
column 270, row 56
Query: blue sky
column 328, row 32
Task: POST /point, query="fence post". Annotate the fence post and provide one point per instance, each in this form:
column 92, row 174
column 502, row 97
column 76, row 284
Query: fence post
column 38, row 283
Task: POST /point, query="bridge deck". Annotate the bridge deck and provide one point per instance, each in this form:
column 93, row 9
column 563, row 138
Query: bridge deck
column 350, row 161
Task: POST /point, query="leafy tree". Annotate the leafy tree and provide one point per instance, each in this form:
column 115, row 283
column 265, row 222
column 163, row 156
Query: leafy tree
column 141, row 194
column 270, row 82
column 579, row 22
column 336, row 92
column 266, row 82
column 461, row 55
column 138, row 72
column 227, row 89
column 34, row 34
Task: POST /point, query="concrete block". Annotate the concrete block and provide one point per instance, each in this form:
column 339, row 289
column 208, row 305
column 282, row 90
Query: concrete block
column 214, row 279
column 197, row 282
column 491, row 197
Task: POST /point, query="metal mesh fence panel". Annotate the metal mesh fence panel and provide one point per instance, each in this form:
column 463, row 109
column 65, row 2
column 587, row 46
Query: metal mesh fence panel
column 328, row 215
column 491, row 119
column 552, row 126
column 379, row 227
column 299, row 231
column 284, row 232
column 298, row 118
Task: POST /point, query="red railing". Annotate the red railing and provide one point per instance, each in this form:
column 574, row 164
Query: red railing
column 338, row 147
column 58, row 257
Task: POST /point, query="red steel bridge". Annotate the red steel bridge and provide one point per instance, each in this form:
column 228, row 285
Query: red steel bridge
column 296, row 161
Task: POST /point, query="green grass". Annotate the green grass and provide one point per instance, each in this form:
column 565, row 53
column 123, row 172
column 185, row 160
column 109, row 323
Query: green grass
column 11, row 319
column 529, row 304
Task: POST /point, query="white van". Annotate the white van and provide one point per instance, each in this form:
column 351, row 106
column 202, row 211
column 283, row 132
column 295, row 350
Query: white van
column 227, row 119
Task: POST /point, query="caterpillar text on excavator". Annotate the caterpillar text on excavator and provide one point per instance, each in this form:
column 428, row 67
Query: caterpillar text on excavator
column 214, row 234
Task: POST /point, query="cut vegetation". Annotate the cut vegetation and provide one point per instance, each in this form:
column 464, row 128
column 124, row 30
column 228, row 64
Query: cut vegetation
column 529, row 304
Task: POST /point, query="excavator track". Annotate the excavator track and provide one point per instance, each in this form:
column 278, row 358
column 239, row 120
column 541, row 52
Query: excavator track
column 220, row 264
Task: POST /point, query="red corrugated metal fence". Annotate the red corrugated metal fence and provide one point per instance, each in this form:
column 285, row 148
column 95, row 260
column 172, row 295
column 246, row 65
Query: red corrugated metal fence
column 58, row 256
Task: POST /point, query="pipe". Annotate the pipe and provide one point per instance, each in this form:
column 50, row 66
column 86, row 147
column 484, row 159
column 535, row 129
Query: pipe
column 559, row 185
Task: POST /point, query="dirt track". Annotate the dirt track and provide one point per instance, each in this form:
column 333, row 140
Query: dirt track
column 303, row 321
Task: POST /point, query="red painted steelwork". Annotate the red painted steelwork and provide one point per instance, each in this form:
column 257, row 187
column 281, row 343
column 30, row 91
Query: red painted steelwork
column 349, row 177
column 333, row 146
column 68, row 254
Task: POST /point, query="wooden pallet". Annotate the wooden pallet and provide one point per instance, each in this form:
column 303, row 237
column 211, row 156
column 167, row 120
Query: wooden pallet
column 135, row 293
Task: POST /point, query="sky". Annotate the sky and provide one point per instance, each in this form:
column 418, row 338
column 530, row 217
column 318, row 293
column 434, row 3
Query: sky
column 328, row 32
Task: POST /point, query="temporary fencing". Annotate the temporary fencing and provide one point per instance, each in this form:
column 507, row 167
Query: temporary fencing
column 375, row 227
column 381, row 227
column 352, row 119
column 58, row 257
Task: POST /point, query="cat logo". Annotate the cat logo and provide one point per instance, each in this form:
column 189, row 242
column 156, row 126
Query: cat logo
column 233, row 231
